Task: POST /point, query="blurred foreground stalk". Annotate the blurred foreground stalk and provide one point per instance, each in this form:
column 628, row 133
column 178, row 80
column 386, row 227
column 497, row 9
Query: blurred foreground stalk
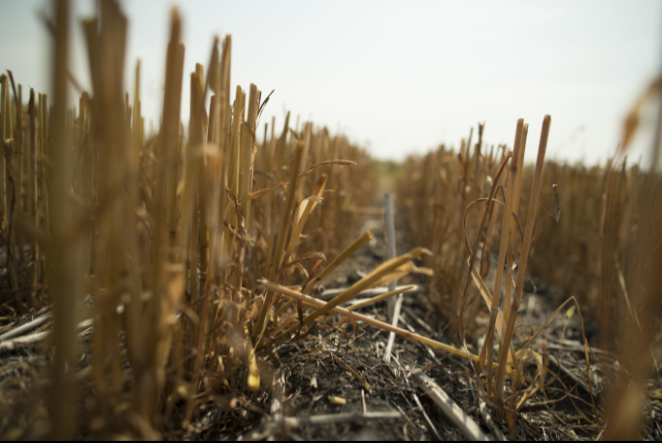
column 64, row 251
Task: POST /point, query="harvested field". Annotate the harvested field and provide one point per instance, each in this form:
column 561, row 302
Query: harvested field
column 223, row 280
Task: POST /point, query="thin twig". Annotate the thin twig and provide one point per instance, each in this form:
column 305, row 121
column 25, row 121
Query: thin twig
column 390, row 249
column 391, row 337
column 393, row 306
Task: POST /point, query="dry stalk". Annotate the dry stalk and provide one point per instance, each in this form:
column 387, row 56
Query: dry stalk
column 528, row 234
column 65, row 273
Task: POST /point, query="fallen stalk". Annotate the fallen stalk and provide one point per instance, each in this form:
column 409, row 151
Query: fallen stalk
column 461, row 419
column 387, row 295
column 358, row 317
column 10, row 345
column 489, row 422
column 295, row 422
column 358, row 305
column 27, row 327
column 425, row 415
column 384, row 273
column 348, row 252
column 362, row 303
column 331, row 293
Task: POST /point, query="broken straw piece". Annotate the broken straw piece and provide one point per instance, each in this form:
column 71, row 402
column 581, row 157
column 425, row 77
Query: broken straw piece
column 461, row 419
column 338, row 401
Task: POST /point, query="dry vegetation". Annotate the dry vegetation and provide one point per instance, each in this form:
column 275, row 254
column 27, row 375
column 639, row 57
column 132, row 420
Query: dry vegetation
column 600, row 256
column 163, row 268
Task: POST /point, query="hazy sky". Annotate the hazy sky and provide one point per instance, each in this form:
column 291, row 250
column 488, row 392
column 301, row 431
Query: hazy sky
column 398, row 77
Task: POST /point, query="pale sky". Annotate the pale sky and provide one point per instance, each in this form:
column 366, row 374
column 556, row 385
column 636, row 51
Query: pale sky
column 397, row 77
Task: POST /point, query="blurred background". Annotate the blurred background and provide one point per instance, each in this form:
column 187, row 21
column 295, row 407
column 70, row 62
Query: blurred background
column 397, row 77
